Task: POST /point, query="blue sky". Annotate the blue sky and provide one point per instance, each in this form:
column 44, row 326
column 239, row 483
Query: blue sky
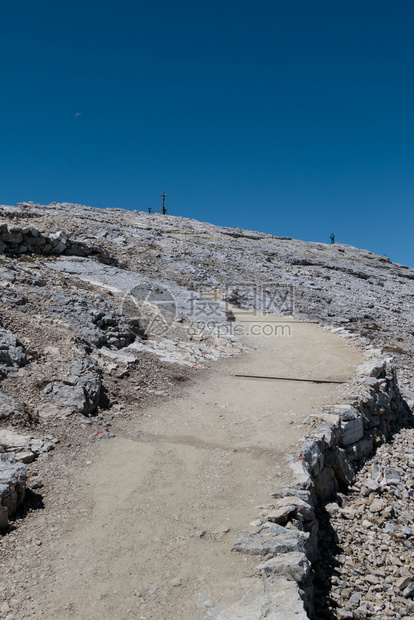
column 291, row 117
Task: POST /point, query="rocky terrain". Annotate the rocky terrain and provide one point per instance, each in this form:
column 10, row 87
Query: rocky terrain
column 372, row 532
column 102, row 308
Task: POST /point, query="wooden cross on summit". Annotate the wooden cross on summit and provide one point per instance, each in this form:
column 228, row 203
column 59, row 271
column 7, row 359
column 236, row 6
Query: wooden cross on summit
column 163, row 208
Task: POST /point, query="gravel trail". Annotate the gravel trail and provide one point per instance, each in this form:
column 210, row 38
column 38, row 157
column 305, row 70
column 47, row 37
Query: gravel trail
column 165, row 502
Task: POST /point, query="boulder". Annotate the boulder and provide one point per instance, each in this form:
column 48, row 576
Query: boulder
column 294, row 564
column 79, row 391
column 274, row 539
column 8, row 407
column 290, row 507
column 25, row 447
column 11, row 350
column 12, row 486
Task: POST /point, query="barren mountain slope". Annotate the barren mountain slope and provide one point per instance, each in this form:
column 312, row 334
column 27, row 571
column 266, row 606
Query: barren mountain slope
column 105, row 311
column 333, row 284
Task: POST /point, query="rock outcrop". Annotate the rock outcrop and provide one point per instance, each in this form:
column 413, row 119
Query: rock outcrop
column 18, row 240
column 12, row 485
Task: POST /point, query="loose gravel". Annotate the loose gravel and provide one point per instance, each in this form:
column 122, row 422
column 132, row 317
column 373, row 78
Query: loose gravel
column 368, row 540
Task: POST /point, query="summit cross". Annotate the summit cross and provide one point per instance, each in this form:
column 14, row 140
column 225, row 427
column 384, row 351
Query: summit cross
column 163, row 195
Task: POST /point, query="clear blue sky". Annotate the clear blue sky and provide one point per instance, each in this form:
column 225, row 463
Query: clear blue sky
column 294, row 117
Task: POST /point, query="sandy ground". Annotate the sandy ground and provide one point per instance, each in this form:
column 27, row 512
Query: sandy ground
column 165, row 503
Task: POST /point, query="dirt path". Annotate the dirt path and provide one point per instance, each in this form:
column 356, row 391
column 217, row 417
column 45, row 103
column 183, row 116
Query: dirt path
column 167, row 502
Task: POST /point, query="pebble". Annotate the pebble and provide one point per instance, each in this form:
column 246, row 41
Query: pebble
column 176, row 582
